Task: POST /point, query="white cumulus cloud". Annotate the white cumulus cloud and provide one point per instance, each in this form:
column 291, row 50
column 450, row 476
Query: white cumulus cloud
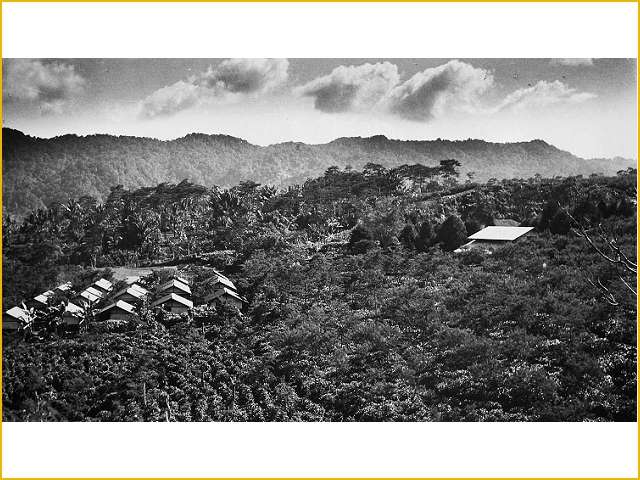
column 351, row 88
column 434, row 91
column 229, row 78
column 543, row 94
column 49, row 85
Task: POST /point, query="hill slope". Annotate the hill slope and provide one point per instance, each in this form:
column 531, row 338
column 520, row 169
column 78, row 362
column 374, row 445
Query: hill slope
column 39, row 171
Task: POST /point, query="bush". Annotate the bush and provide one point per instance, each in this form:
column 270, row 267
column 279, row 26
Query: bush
column 426, row 237
column 560, row 223
column 452, row 233
column 363, row 246
column 408, row 236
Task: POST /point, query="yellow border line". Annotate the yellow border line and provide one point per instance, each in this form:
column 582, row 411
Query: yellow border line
column 322, row 1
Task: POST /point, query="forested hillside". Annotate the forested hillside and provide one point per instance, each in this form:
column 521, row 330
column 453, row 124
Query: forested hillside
column 359, row 308
column 38, row 171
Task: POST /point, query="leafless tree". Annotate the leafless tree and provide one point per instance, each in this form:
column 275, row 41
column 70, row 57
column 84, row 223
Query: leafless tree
column 607, row 246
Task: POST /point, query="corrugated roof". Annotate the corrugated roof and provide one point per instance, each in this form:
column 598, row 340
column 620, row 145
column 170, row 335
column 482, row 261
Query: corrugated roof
column 18, row 314
column 173, row 296
column 134, row 292
column 218, row 273
column 94, row 291
column 175, row 283
column 73, row 308
column 104, row 284
column 500, row 233
column 88, row 296
column 121, row 304
column 224, row 291
column 64, row 287
column 140, row 288
column 224, row 281
column 42, row 298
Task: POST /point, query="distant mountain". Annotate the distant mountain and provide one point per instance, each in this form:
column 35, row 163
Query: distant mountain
column 39, row 171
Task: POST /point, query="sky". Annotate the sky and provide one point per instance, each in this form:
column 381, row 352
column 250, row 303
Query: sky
column 585, row 106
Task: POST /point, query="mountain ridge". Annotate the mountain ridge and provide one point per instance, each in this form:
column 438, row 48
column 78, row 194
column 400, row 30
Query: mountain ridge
column 38, row 171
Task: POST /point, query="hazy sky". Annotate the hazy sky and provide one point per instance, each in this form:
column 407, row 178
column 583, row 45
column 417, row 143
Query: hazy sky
column 586, row 106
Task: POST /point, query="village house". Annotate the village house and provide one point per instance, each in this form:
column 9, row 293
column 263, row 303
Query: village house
column 65, row 287
column 219, row 281
column 41, row 301
column 94, row 291
column 175, row 286
column 140, row 288
column 73, row 316
column 16, row 319
column 86, row 298
column 103, row 286
column 173, row 303
column 490, row 238
column 130, row 295
column 119, row 310
column 226, row 296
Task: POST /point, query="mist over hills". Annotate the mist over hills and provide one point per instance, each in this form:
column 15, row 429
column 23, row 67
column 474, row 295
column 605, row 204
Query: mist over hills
column 39, row 171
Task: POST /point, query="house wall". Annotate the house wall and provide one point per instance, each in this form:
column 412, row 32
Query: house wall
column 177, row 291
column 174, row 307
column 127, row 297
column 118, row 315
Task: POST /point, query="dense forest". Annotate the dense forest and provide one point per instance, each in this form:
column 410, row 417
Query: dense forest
column 39, row 171
column 359, row 308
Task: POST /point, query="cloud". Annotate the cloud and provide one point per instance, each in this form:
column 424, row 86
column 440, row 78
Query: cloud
column 351, row 88
column 48, row 85
column 174, row 98
column 543, row 94
column 246, row 75
column 432, row 92
column 230, row 78
column 572, row 62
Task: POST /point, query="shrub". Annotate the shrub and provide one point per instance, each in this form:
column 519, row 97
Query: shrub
column 560, row 223
column 426, row 237
column 408, row 236
column 452, row 233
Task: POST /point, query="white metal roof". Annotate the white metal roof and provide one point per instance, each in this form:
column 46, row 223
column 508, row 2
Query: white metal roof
column 224, row 281
column 173, row 296
column 121, row 304
column 500, row 233
column 218, row 273
column 73, row 308
column 175, row 283
column 134, row 292
column 42, row 298
column 139, row 287
column 18, row 314
column 94, row 291
column 64, row 287
column 88, row 295
column 104, row 284
column 224, row 291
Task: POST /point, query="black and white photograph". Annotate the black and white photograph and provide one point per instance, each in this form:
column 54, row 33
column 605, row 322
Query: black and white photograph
column 319, row 240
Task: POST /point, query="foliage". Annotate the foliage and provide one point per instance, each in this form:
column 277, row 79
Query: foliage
column 336, row 329
column 452, row 233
